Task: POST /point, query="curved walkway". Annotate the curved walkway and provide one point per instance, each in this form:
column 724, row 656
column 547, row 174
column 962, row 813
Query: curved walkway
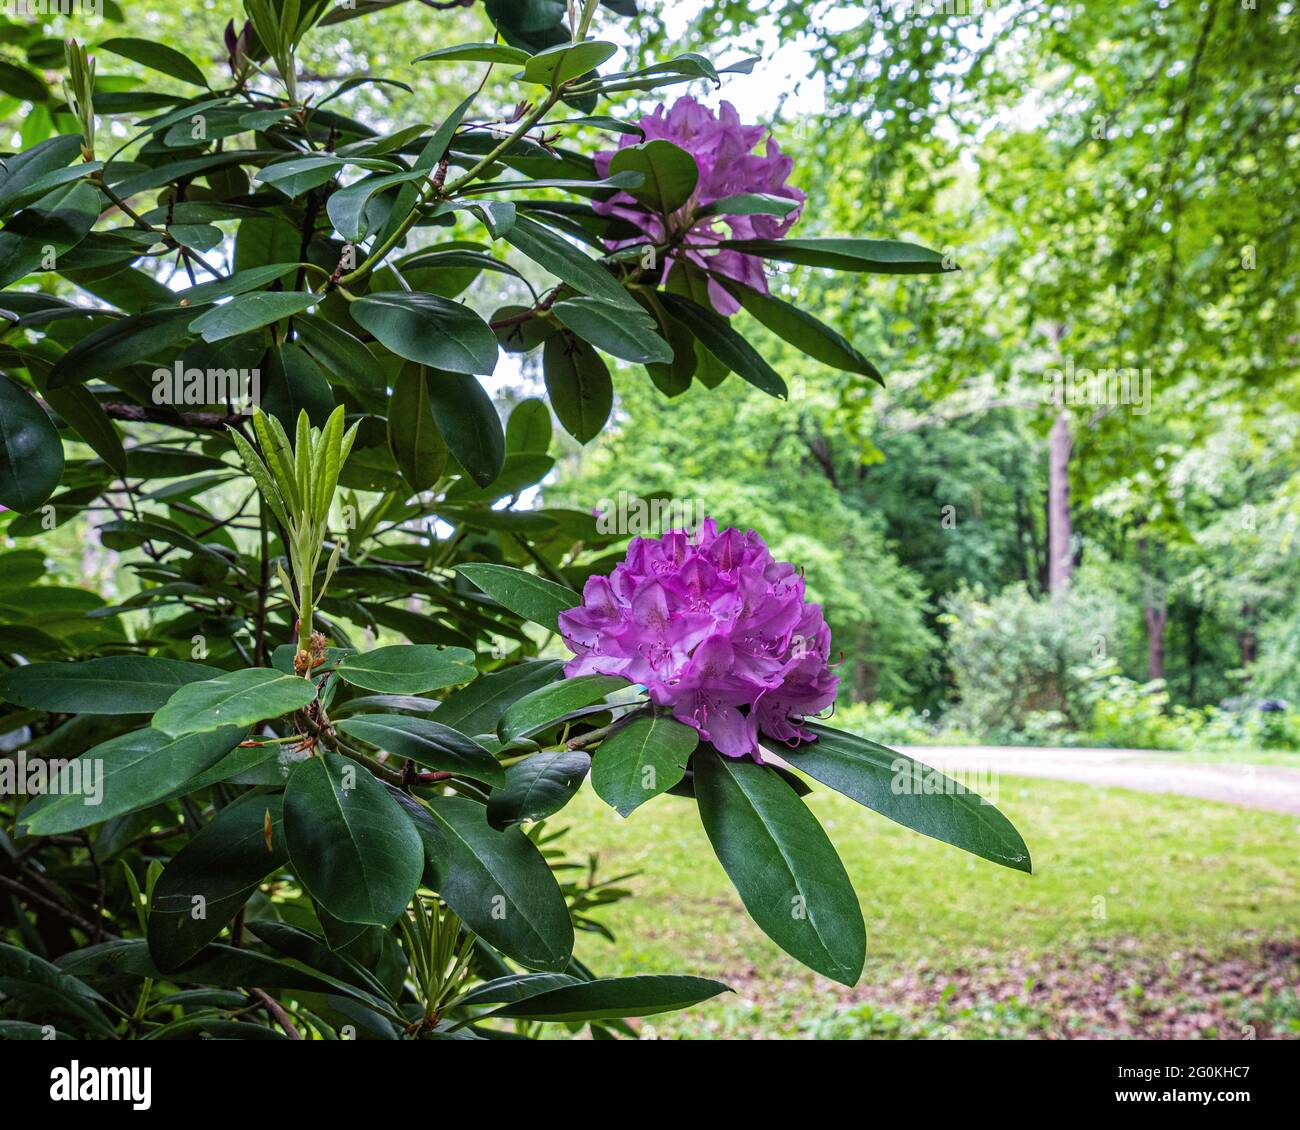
column 1268, row 787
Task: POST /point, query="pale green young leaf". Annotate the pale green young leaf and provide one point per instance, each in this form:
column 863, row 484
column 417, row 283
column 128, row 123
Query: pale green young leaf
column 261, row 476
column 302, row 455
column 328, row 463
column 279, row 457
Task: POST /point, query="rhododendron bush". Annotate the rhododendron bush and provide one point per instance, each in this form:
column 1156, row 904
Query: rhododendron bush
column 291, row 774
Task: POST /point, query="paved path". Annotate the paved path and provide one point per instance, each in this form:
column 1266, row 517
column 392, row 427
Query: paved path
column 1270, row 787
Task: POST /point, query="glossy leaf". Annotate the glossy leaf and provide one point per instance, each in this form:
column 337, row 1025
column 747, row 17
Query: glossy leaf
column 236, row 698
column 477, row 708
column 783, row 866
column 544, row 707
column 293, row 383
column 500, row 886
column 646, row 757
column 910, row 793
column 156, row 56
column 612, row 997
column 613, row 328
column 31, row 453
column 250, row 312
column 532, row 597
column 119, row 684
column 408, row 668
column 715, row 334
column 538, row 786
column 568, row 263
column 213, row 875
column 413, row 434
column 469, row 423
column 352, row 847
column 578, row 385
column 805, row 332
column 124, row 775
column 429, row 329
column 670, row 173
column 38, row 984
column 426, row 742
column 872, row 256
column 137, row 337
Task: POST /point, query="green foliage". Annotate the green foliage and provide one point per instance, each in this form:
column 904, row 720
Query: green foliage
column 304, row 761
column 1021, row 662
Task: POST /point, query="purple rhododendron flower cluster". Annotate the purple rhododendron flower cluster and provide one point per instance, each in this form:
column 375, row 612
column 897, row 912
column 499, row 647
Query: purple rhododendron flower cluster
column 724, row 151
column 714, row 628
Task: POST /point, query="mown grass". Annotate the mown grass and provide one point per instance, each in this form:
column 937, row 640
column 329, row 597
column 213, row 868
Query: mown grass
column 1151, row 875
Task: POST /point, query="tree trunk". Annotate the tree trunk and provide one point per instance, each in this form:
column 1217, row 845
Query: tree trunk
column 1059, row 552
column 1246, row 639
column 1155, row 610
column 1156, row 615
column 1193, row 651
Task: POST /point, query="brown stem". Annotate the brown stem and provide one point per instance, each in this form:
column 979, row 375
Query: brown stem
column 277, row 1012
column 74, row 919
column 205, row 421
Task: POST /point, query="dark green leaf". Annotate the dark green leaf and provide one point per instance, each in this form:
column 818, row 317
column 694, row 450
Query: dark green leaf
column 31, row 453
column 538, row 786
column 714, row 332
column 784, row 868
column 750, row 204
column 212, row 876
column 413, row 434
column 349, row 208
column 469, row 423
column 120, row 684
column 36, row 983
column 568, row 263
column 910, row 793
column 872, row 256
column 408, row 668
column 250, row 312
column 477, row 708
column 49, row 228
column 236, row 698
column 615, row 329
column 156, row 56
column 214, row 965
column 613, row 997
column 18, row 82
column 426, row 742
column 124, row 775
column 543, row 707
column 500, row 886
column 83, row 412
column 341, row 353
column 293, row 383
column 804, row 332
column 528, row 431
column 641, row 760
column 532, row 597
column 670, row 173
column 352, row 847
column 125, row 341
column 25, row 172
column 429, row 329
column 579, row 386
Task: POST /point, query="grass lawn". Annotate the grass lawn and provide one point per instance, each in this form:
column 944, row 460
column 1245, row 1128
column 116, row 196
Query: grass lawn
column 1146, row 915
